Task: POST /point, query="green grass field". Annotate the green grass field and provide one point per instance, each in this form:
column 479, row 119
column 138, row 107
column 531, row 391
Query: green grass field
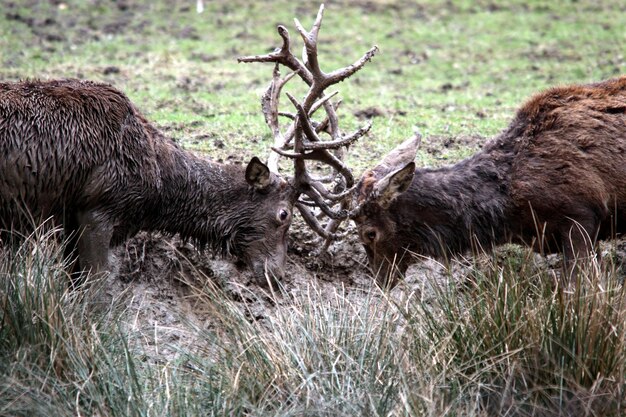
column 497, row 339
column 448, row 68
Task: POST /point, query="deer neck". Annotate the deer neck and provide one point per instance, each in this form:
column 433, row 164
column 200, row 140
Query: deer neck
column 199, row 199
column 462, row 204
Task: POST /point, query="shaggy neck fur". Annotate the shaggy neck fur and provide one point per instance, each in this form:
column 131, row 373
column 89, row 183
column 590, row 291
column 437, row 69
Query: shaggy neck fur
column 459, row 205
column 207, row 202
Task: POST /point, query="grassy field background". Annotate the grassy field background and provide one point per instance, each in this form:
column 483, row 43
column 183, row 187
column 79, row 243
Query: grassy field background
column 452, row 69
column 494, row 337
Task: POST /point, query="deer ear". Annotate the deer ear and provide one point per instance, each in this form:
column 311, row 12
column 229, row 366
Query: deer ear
column 393, row 184
column 258, row 174
column 402, row 154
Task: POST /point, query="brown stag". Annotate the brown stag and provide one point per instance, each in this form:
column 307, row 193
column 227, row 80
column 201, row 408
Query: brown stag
column 81, row 153
column 554, row 179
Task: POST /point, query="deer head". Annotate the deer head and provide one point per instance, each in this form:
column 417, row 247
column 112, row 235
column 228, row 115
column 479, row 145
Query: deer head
column 376, row 191
column 301, row 139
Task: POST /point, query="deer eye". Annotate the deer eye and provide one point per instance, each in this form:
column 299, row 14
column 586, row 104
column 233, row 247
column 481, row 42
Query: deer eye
column 282, row 215
column 370, row 235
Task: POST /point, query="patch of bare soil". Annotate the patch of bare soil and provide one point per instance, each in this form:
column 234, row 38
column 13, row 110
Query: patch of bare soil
column 436, row 145
column 156, row 276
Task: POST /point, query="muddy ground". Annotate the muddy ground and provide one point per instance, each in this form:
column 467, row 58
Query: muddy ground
column 158, row 277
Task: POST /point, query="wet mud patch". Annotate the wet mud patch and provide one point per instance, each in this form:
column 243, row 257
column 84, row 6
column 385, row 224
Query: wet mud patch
column 159, row 279
column 162, row 283
column 439, row 146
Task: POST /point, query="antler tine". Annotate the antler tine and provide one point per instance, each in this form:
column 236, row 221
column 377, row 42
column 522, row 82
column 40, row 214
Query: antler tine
column 282, row 56
column 341, row 74
column 327, row 195
column 269, row 106
column 287, row 115
column 292, row 155
column 321, row 102
column 310, row 220
column 301, row 140
column 336, row 144
column 310, row 42
column 321, row 155
column 319, row 148
column 330, row 120
column 325, row 207
column 323, row 126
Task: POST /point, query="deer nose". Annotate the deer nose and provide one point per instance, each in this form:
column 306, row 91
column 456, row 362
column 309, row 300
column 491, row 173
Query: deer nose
column 387, row 273
column 268, row 272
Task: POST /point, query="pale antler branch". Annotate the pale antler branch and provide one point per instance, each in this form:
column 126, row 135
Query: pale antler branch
column 301, row 140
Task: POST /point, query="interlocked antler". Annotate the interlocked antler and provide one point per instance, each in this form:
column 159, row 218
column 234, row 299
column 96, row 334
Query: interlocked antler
column 301, row 141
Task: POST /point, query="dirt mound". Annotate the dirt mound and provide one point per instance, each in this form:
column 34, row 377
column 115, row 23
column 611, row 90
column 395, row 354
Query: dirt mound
column 156, row 276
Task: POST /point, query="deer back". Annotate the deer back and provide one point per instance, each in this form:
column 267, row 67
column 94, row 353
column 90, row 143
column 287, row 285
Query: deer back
column 71, row 143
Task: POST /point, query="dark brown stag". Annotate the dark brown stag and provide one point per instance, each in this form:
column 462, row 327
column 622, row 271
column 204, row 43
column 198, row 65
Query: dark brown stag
column 554, row 179
column 81, row 153
column 301, row 139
